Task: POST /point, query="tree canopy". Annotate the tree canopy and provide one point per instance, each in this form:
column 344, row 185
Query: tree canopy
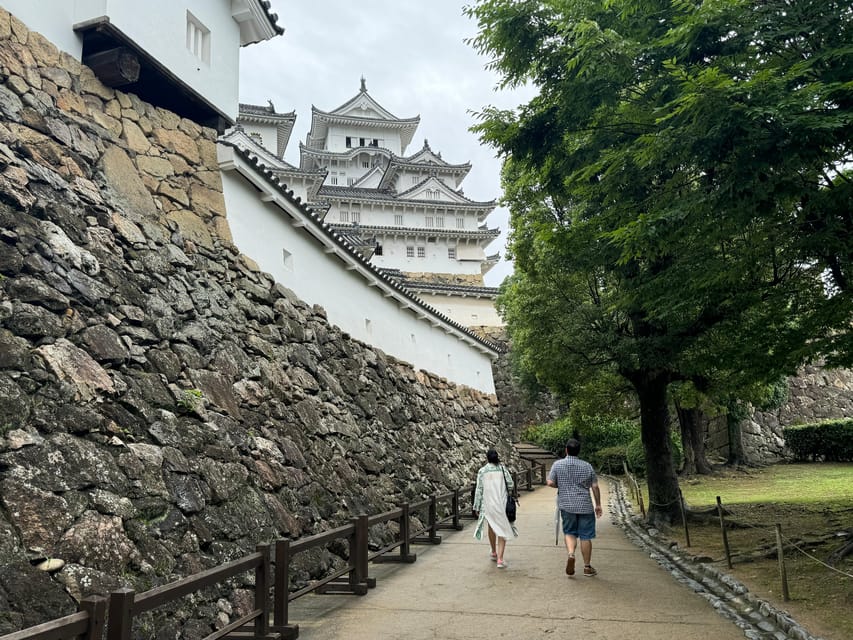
column 679, row 189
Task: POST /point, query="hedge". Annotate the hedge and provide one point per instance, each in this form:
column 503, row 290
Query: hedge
column 829, row 441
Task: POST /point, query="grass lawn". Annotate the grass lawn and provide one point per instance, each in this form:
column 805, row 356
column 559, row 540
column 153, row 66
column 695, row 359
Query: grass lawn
column 813, row 503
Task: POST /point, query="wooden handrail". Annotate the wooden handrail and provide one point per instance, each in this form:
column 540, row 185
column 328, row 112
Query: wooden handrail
column 159, row 596
column 124, row 604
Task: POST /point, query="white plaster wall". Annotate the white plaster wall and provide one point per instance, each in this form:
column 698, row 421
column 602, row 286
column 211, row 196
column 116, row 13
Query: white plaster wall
column 470, row 312
column 336, row 140
column 436, row 260
column 268, row 133
column 158, row 27
column 51, row 18
column 262, row 231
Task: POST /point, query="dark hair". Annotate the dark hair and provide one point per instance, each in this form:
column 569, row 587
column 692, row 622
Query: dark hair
column 573, row 447
column 492, row 456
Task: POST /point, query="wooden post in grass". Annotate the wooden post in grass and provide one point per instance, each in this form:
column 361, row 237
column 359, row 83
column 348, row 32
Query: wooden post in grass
column 725, row 535
column 781, row 555
column 684, row 518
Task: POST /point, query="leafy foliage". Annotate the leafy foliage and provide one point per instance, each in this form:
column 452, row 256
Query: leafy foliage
column 594, row 432
column 830, row 440
column 636, row 455
column 679, row 193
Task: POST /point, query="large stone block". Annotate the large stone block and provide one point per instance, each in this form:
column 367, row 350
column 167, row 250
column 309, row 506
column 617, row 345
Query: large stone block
column 125, row 183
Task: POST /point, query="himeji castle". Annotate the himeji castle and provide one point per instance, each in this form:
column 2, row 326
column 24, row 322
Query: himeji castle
column 407, row 214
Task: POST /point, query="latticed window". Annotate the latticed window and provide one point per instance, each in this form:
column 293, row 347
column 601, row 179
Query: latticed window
column 356, row 216
column 439, row 222
column 198, row 38
column 451, row 253
column 398, row 220
column 428, row 221
column 344, row 215
column 422, row 252
column 410, row 252
column 460, row 222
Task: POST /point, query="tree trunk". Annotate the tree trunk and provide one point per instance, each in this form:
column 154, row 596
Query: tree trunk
column 693, row 423
column 736, row 454
column 654, row 427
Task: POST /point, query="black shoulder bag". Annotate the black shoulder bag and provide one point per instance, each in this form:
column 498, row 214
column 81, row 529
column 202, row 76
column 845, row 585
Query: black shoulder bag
column 510, row 499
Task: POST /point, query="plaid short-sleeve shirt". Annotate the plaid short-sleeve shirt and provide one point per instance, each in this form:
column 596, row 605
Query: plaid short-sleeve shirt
column 573, row 477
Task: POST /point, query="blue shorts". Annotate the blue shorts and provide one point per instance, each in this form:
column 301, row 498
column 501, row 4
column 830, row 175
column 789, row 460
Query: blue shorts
column 580, row 525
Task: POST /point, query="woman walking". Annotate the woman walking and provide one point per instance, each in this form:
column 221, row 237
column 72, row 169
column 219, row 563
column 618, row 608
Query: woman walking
column 494, row 484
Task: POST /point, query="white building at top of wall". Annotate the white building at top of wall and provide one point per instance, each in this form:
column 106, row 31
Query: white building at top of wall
column 182, row 55
column 406, row 213
column 321, row 266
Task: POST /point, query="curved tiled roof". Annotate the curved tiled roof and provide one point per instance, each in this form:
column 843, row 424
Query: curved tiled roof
column 354, row 255
column 453, row 289
column 271, row 17
column 420, row 231
column 388, row 195
column 265, row 111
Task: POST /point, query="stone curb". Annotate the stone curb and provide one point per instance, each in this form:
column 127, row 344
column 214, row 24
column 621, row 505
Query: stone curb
column 758, row 619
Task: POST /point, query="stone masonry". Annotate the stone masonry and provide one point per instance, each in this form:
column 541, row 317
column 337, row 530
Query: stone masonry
column 164, row 406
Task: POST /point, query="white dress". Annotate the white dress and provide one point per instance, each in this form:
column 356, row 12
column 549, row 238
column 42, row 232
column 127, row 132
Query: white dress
column 490, row 501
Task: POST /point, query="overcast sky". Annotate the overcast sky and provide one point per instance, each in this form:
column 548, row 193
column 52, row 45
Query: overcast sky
column 415, row 61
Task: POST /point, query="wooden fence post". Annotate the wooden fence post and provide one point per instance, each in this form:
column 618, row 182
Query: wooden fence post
column 121, row 614
column 359, row 580
column 405, row 535
column 780, row 553
column 455, row 506
column 684, row 518
column 281, row 592
column 725, row 535
column 262, row 591
column 96, row 607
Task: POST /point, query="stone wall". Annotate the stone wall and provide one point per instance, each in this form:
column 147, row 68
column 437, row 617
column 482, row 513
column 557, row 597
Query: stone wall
column 164, row 406
column 518, row 410
column 815, row 394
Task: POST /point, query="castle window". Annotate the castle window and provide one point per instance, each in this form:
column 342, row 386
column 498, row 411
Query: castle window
column 439, row 222
column 333, row 177
column 349, row 142
column 398, row 219
column 350, row 181
column 451, row 253
column 344, row 216
column 410, row 252
column 198, row 38
column 356, row 216
column 428, row 221
column 365, row 164
column 422, row 252
column 460, row 223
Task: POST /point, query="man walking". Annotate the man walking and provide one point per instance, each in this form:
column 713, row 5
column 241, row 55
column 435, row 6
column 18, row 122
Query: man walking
column 574, row 478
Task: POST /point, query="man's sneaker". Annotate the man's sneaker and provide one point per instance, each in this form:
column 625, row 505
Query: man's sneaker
column 570, row 566
column 589, row 571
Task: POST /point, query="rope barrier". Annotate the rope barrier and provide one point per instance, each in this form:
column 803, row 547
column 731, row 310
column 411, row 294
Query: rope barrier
column 818, row 560
column 764, row 529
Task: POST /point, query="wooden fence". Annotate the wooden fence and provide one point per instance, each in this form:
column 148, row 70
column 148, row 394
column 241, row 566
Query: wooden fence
column 271, row 564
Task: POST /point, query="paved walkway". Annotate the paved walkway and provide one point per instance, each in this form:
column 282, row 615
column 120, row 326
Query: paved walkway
column 454, row 592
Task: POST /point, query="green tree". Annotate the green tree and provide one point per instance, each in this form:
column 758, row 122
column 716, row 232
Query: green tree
column 677, row 191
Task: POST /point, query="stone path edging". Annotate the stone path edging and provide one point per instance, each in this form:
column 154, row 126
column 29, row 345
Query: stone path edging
column 758, row 619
